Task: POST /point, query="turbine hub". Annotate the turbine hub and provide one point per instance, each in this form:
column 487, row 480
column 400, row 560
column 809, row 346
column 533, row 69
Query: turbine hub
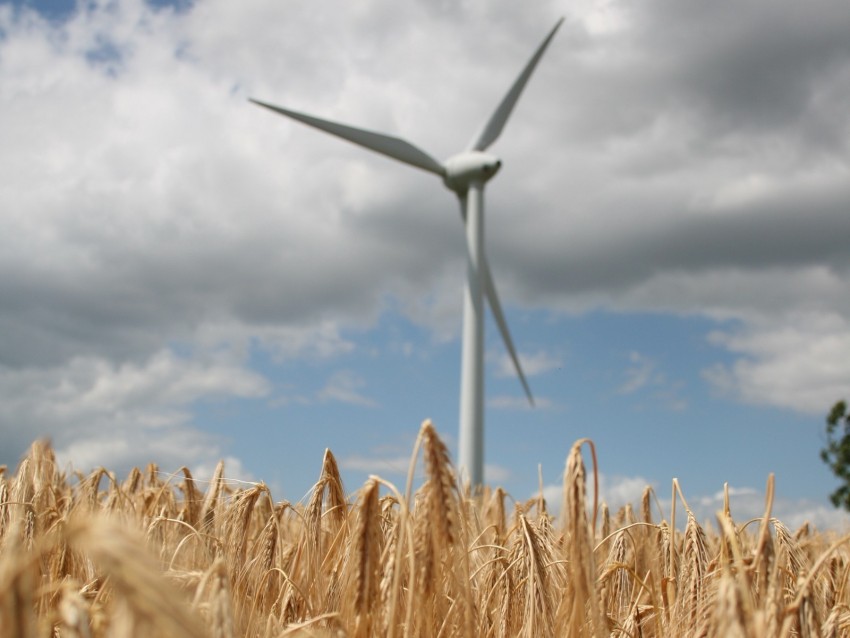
column 469, row 167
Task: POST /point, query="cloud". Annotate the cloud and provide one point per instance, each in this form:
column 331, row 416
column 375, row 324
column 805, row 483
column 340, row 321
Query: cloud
column 667, row 158
column 639, row 374
column 382, row 465
column 387, row 464
column 235, row 474
column 804, row 366
column 746, row 503
column 98, row 413
column 616, row 491
column 496, row 474
column 643, row 375
column 344, row 386
column 619, row 490
column 535, row 364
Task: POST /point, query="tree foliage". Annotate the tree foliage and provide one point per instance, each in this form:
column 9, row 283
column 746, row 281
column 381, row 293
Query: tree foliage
column 836, row 454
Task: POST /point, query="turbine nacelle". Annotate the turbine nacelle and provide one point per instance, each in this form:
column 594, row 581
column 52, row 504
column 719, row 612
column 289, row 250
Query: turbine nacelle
column 467, row 168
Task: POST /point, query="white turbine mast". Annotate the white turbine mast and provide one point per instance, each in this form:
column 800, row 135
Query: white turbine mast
column 466, row 174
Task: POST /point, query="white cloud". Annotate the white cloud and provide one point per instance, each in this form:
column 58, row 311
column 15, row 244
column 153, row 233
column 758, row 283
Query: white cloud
column 641, row 372
column 92, row 389
column 601, row 17
column 825, row 517
column 382, row 465
column 98, row 413
column 396, row 466
column 535, row 364
column 315, row 341
column 643, row 375
column 345, row 386
column 619, row 490
column 234, row 473
column 496, row 474
column 743, row 191
column 554, row 495
column 746, row 503
column 802, row 364
column 615, row 491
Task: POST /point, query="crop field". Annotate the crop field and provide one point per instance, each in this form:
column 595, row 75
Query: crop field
column 163, row 555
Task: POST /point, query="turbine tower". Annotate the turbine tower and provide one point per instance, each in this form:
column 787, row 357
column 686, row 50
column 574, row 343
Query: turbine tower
column 466, row 174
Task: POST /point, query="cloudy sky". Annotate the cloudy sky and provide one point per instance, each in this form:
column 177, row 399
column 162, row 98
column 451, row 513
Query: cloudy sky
column 185, row 277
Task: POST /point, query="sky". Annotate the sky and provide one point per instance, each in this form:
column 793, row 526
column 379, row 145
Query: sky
column 185, row 277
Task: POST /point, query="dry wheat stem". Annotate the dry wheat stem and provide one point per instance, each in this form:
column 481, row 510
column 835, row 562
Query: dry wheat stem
column 163, row 554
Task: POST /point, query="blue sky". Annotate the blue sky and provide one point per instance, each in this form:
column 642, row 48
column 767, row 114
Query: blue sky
column 185, row 277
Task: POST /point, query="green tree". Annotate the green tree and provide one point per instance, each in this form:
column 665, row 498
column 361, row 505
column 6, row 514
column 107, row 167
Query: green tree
column 836, row 454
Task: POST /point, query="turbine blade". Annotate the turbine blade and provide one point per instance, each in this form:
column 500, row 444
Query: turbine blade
column 378, row 142
column 496, row 307
column 496, row 123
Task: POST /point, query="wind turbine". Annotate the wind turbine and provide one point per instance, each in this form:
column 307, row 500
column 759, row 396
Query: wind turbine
column 466, row 174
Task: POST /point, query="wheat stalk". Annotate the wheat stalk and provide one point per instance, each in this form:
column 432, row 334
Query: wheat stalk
column 89, row 556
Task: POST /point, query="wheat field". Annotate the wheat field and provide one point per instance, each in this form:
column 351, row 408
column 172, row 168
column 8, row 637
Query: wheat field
column 163, row 555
